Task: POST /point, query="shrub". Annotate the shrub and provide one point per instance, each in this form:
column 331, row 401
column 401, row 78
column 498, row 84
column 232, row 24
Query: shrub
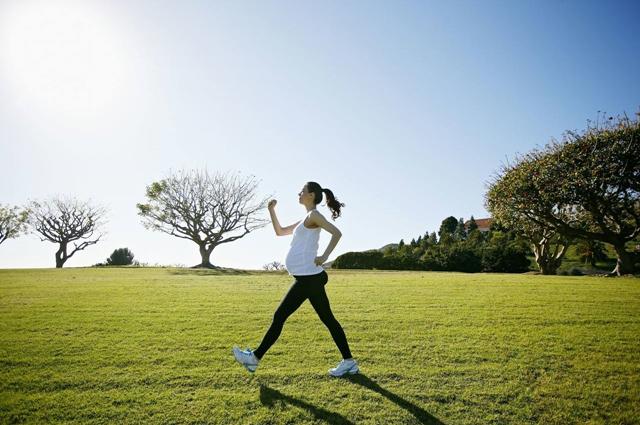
column 358, row 260
column 504, row 258
column 120, row 257
column 463, row 259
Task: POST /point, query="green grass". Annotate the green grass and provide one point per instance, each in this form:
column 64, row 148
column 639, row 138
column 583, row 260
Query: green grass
column 141, row 345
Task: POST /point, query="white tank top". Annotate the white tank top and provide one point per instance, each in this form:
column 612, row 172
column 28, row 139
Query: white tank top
column 303, row 250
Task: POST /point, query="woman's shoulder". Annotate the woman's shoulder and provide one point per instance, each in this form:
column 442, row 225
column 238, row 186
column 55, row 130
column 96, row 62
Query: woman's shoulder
column 315, row 213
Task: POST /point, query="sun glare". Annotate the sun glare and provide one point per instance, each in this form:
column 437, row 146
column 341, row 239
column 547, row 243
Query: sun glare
column 62, row 58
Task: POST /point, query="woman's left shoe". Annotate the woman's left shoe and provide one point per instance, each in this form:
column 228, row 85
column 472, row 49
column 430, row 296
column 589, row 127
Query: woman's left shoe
column 246, row 358
column 345, row 366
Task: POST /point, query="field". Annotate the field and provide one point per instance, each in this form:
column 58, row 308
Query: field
column 153, row 345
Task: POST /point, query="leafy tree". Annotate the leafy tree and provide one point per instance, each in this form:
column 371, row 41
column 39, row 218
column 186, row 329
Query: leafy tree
column 402, row 248
column 208, row 210
column 447, row 230
column 463, row 259
column 506, row 257
column 586, row 186
column 425, row 241
column 475, row 238
column 64, row 221
column 460, row 233
column 433, row 239
column 120, row 257
column 12, row 222
column 472, row 225
column 548, row 246
column 590, row 251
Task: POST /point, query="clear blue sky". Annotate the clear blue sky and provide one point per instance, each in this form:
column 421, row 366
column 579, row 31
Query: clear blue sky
column 403, row 109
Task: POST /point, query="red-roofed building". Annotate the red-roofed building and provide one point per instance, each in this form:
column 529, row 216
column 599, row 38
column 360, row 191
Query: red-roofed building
column 483, row 224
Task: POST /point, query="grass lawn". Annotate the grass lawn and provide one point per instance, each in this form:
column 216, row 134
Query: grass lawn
column 153, row 345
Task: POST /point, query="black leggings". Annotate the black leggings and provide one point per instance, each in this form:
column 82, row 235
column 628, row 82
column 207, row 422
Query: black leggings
column 312, row 287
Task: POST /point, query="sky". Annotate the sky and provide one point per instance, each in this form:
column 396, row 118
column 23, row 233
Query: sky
column 405, row 110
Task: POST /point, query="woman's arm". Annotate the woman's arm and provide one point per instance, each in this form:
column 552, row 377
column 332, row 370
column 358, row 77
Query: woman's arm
column 280, row 231
column 336, row 234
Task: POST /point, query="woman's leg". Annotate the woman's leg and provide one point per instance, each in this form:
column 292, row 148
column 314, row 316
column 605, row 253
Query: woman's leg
column 290, row 303
column 320, row 302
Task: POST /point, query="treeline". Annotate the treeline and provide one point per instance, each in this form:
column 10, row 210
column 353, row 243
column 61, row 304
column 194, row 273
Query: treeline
column 582, row 191
column 207, row 209
column 456, row 247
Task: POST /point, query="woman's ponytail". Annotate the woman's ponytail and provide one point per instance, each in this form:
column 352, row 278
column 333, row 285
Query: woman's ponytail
column 333, row 204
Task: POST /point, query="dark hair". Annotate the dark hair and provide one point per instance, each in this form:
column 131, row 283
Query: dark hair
column 333, row 204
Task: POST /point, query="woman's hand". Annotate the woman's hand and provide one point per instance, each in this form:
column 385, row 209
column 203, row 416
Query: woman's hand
column 320, row 260
column 272, row 204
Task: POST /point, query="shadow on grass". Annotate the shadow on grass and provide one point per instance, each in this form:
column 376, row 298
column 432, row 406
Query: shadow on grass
column 269, row 396
column 421, row 415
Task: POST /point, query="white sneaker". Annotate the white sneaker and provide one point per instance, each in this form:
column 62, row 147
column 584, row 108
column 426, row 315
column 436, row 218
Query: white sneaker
column 345, row 366
column 246, row 358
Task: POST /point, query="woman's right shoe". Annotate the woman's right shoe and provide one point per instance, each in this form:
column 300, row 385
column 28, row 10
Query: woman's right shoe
column 345, row 366
column 246, row 358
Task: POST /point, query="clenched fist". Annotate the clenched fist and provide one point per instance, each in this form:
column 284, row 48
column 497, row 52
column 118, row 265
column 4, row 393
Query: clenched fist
column 272, row 204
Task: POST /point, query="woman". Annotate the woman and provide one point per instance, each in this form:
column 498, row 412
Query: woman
column 310, row 277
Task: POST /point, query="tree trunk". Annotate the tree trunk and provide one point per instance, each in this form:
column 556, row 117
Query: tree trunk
column 624, row 264
column 548, row 262
column 61, row 255
column 205, row 254
column 549, row 267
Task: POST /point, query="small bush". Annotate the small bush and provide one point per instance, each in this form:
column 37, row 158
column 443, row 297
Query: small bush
column 120, row 257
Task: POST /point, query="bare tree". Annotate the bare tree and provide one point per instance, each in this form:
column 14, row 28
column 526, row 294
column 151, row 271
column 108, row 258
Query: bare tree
column 12, row 222
column 64, row 221
column 273, row 266
column 203, row 208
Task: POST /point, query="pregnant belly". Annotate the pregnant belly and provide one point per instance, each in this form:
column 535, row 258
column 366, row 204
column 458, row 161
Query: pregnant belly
column 300, row 258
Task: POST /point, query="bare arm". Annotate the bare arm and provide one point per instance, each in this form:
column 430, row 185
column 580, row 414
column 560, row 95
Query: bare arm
column 336, row 234
column 280, row 231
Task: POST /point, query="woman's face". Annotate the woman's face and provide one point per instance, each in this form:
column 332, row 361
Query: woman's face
column 305, row 195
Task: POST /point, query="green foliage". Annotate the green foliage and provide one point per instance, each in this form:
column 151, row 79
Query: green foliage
column 12, row 222
column 120, row 257
column 358, row 260
column 586, row 186
column 498, row 251
column 590, row 251
column 472, row 225
column 447, row 229
column 460, row 233
column 505, row 258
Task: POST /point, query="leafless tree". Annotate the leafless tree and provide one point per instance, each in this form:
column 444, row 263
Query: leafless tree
column 12, row 222
column 64, row 221
column 207, row 209
column 273, row 266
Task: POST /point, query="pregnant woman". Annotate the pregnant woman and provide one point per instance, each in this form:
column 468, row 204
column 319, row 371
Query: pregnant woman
column 310, row 278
